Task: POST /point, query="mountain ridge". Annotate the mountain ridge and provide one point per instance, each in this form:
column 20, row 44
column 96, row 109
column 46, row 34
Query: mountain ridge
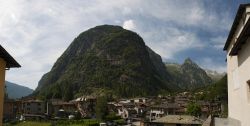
column 188, row 75
column 102, row 59
column 15, row 91
column 111, row 60
column 216, row 76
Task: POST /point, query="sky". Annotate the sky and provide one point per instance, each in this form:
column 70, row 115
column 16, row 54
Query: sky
column 36, row 32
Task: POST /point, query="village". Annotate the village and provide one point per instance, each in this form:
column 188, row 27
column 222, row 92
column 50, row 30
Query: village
column 108, row 76
column 134, row 110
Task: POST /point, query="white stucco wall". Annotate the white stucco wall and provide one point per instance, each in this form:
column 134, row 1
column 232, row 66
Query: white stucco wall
column 238, row 94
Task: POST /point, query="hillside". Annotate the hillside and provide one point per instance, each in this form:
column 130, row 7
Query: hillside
column 17, row 91
column 188, row 75
column 219, row 89
column 106, row 59
column 216, row 90
column 111, row 60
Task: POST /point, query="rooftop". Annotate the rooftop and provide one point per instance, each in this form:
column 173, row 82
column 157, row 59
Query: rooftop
column 33, row 101
column 241, row 39
column 168, row 105
column 226, row 122
column 239, row 13
column 10, row 61
column 179, row 119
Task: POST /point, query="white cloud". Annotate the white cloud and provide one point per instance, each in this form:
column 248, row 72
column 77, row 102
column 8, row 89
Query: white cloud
column 37, row 32
column 218, row 42
column 209, row 63
column 129, row 25
column 190, row 13
column 172, row 41
column 126, row 11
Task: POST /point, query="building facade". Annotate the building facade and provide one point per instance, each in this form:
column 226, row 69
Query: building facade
column 34, row 107
column 10, row 109
column 238, row 67
column 6, row 62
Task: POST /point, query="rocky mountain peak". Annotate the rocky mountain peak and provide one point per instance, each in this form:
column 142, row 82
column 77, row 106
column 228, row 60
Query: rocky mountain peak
column 189, row 61
column 106, row 59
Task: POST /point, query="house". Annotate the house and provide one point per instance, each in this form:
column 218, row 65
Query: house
column 175, row 120
column 115, row 107
column 208, row 108
column 238, row 67
column 6, row 62
column 141, row 109
column 128, row 111
column 86, row 105
column 12, row 109
column 34, row 107
column 158, row 111
column 139, row 100
column 68, row 107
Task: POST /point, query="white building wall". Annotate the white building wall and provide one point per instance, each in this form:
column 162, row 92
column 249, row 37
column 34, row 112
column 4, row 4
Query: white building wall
column 239, row 94
column 244, row 72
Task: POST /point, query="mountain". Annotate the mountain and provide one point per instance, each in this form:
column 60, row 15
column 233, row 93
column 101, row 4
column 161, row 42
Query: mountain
column 106, row 59
column 216, row 76
column 17, row 91
column 188, row 75
column 111, row 60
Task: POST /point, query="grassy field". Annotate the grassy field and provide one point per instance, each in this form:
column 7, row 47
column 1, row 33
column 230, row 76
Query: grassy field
column 85, row 122
column 28, row 123
column 82, row 122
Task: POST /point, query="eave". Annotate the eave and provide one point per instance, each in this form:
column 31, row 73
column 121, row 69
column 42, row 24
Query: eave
column 241, row 10
column 242, row 39
column 10, row 61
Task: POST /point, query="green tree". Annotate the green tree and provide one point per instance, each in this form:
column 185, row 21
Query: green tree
column 101, row 108
column 68, row 92
column 194, row 109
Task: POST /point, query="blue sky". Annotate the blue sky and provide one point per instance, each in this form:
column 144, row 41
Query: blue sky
column 37, row 32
